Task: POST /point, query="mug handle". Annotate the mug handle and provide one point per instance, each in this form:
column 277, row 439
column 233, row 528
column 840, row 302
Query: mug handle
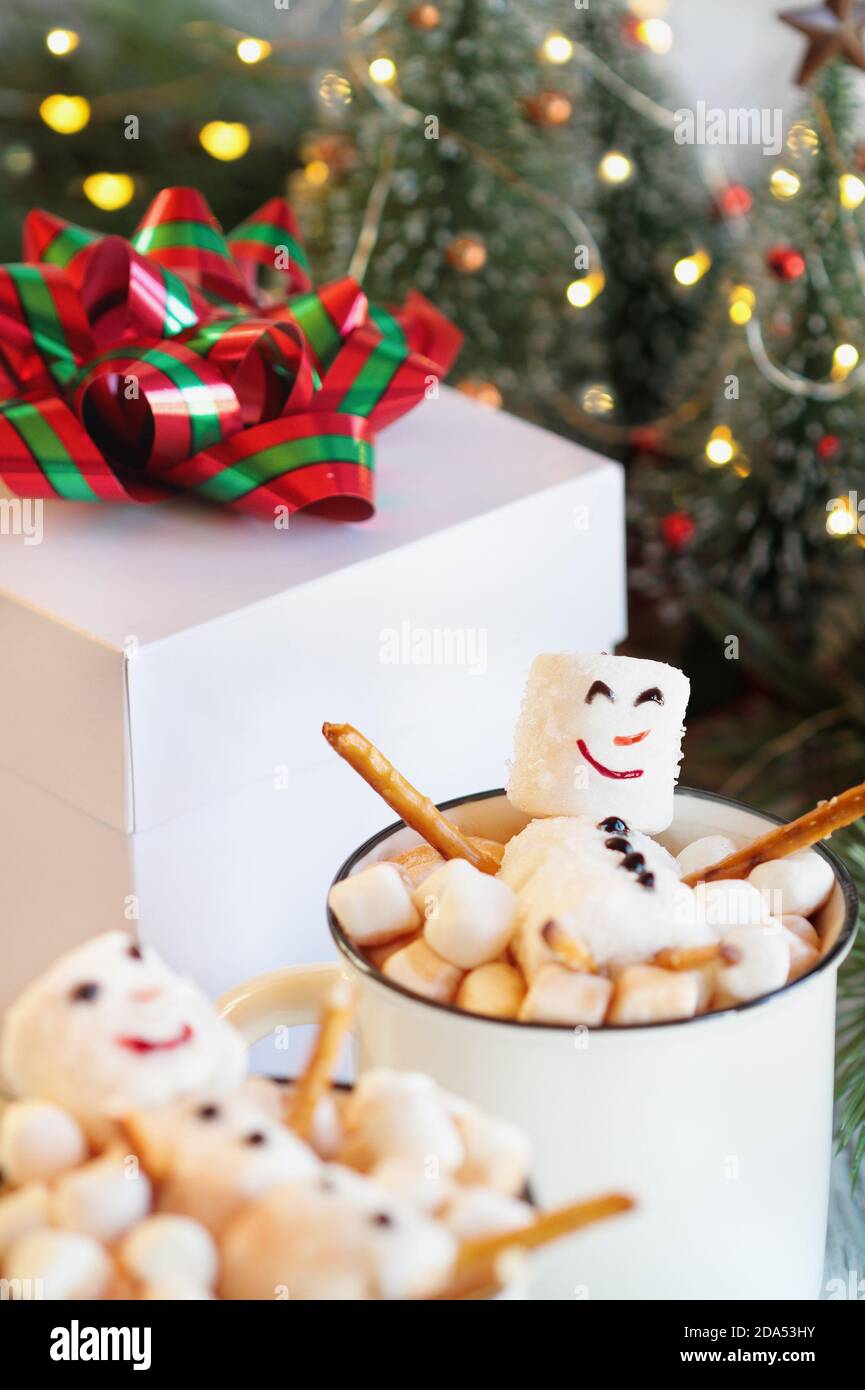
column 280, row 998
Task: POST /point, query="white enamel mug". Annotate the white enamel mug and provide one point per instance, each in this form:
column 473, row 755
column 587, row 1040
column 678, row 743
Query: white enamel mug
column 719, row 1126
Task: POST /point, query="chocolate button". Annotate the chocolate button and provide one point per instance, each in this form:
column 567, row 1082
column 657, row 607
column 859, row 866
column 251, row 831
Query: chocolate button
column 620, row 843
column 634, row 863
column 613, row 826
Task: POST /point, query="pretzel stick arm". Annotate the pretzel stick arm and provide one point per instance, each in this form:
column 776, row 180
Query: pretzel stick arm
column 316, row 1077
column 412, row 806
column 807, row 830
column 481, row 1253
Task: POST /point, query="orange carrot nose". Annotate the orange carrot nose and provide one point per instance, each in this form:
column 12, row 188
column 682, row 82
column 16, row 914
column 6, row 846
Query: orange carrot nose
column 625, row 740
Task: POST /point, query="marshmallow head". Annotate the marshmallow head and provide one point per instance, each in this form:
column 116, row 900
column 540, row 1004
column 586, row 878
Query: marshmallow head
column 109, row 1028
column 600, row 736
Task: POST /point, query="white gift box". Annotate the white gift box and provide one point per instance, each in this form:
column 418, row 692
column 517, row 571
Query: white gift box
column 166, row 670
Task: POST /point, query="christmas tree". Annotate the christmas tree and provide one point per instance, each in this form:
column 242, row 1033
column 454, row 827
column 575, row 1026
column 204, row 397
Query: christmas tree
column 98, row 116
column 768, row 513
column 511, row 163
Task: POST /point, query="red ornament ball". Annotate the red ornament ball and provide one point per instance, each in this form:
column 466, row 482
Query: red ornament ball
column 828, row 446
column 736, row 200
column 647, row 439
column 677, row 530
column 785, row 262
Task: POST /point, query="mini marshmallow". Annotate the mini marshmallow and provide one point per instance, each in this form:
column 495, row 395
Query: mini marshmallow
column 337, row 1236
column 108, row 1028
column 559, row 995
column 763, row 966
column 393, row 1114
column 168, row 1249
column 702, row 853
column 60, row 1264
column 374, row 906
column 647, row 994
column 496, row 989
column 103, row 1198
column 21, row 1212
column 473, row 1212
column 798, row 885
column 728, row 903
column 378, row 955
column 175, row 1292
column 421, row 1186
column 600, row 736
column 419, row 969
column 497, row 1154
column 38, row 1140
column 469, row 915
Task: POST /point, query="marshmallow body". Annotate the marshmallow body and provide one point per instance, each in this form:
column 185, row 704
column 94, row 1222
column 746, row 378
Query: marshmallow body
column 108, row 1028
column 38, row 1140
column 797, row 885
column 497, row 1154
column 469, row 916
column 212, row 1155
column 337, row 1236
column 600, row 736
column 615, row 890
column 374, row 906
column 728, row 903
column 21, row 1212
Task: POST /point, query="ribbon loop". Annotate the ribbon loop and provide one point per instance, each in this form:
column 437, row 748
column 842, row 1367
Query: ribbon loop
column 131, row 370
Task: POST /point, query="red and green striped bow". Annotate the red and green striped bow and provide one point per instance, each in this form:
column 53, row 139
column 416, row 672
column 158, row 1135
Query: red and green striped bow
column 131, row 370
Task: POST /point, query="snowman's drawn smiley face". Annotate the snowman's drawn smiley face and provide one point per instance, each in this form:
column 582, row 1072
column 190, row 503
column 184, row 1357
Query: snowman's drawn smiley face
column 145, row 995
column 600, row 690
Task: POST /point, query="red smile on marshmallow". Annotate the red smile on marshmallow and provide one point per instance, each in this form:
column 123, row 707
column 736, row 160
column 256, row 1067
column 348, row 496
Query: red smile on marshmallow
column 610, row 771
column 145, row 1044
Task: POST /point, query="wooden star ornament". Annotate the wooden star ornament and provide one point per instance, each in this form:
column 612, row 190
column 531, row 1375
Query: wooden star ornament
column 834, row 32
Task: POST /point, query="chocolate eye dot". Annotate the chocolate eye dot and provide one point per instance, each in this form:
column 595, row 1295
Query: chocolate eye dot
column 634, row 863
column 382, row 1218
column 618, row 842
column 255, row 1138
column 207, row 1112
column 134, row 953
column 647, row 880
column 613, row 826
column 84, row 993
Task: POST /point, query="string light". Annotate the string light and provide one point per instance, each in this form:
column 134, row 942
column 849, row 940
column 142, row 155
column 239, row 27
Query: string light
column 582, row 292
column 802, row 139
column 841, row 521
column 557, row 48
column 66, row 115
column 852, row 190
column 784, row 183
column 844, row 359
column 615, row 167
column 109, row 191
column 253, row 50
column 720, row 448
column 655, row 34
column 61, row 41
column 317, row 172
column 598, row 399
column 335, row 90
column 690, row 269
column 225, row 140
column 382, row 70
column 742, row 301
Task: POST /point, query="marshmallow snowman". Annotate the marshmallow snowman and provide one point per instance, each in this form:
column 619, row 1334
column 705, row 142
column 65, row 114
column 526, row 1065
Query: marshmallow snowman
column 109, row 1028
column 600, row 736
column 335, row 1236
